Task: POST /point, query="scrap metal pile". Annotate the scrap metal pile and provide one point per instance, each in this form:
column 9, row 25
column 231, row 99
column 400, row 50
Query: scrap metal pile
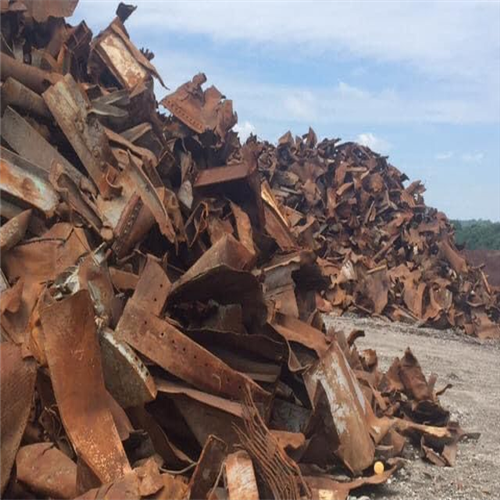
column 162, row 288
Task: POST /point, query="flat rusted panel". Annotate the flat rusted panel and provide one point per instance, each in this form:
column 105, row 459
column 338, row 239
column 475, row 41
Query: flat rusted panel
column 120, row 56
column 70, row 106
column 346, row 404
column 41, row 11
column 17, row 384
column 33, row 148
column 151, row 198
column 28, row 185
column 178, row 354
column 74, row 361
column 125, row 67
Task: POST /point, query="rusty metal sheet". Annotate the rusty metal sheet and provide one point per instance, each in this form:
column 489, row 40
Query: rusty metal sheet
column 72, row 350
column 151, row 198
column 294, row 330
column 11, row 297
column 17, row 384
column 37, row 261
column 174, row 388
column 125, row 375
column 72, row 194
column 201, row 110
column 13, row 231
column 26, row 182
column 16, row 94
column 128, row 64
column 207, row 470
column 239, row 477
column 227, row 251
column 346, row 401
column 46, row 470
column 279, row 285
column 220, row 175
column 123, row 280
column 152, row 288
column 34, row 149
column 178, row 354
column 132, row 221
column 244, row 228
column 70, row 106
column 41, row 11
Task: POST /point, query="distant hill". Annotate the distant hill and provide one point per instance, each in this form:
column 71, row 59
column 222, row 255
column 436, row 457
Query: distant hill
column 477, row 234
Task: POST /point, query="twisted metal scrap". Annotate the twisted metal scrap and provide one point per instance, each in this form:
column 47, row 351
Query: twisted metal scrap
column 279, row 472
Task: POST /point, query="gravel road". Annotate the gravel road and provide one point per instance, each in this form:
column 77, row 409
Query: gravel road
column 474, row 370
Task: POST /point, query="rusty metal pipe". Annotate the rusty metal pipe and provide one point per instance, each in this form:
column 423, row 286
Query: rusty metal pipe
column 14, row 93
column 30, row 76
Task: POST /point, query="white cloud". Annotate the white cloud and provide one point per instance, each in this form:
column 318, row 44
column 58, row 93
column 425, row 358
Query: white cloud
column 472, row 157
column 461, row 38
column 373, row 142
column 459, row 56
column 300, row 105
column 444, row 156
column 244, row 130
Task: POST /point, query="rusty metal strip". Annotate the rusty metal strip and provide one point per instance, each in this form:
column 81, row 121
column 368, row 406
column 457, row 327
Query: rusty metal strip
column 32, row 77
column 294, row 330
column 13, row 231
column 16, row 94
column 73, row 357
column 177, row 389
column 227, row 251
column 151, row 198
column 178, row 354
column 26, row 182
column 72, row 194
column 239, row 476
column 206, row 472
column 32, row 147
column 17, row 384
column 153, row 287
column 244, row 228
column 220, row 175
column 70, row 106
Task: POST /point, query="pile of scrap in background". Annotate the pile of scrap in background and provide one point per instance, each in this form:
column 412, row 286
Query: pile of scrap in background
column 162, row 285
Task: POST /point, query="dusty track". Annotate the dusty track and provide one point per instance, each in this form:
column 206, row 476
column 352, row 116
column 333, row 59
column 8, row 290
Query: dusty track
column 474, row 371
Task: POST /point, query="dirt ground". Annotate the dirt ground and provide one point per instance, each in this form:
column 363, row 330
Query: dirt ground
column 474, row 400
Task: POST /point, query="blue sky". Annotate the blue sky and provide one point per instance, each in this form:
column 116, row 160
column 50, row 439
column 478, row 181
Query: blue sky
column 418, row 81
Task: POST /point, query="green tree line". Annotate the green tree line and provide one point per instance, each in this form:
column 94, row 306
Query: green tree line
column 477, row 234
